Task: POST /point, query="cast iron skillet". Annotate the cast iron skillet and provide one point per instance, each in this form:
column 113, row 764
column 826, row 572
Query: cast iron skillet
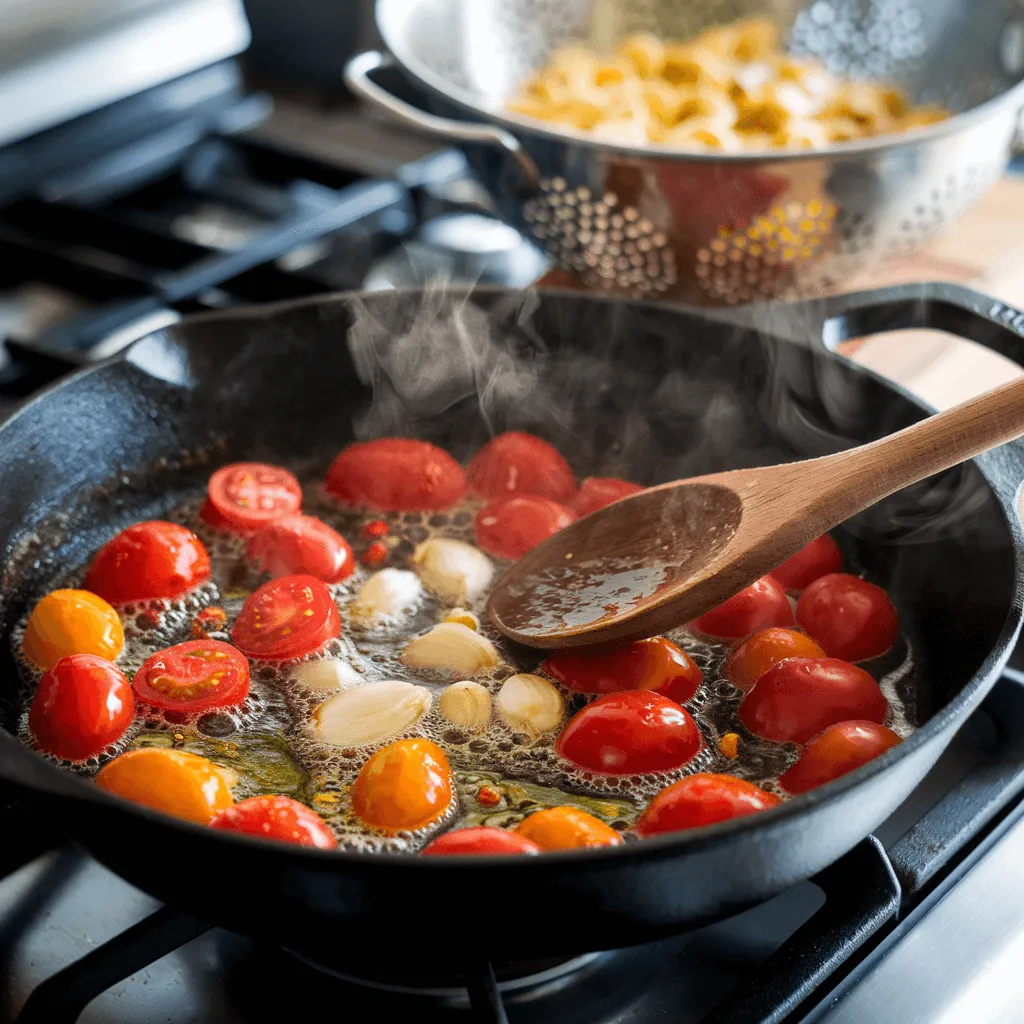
column 646, row 391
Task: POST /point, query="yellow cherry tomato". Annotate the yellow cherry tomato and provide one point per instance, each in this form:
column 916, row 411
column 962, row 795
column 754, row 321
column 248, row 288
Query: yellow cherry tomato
column 563, row 828
column 183, row 785
column 72, row 622
column 405, row 786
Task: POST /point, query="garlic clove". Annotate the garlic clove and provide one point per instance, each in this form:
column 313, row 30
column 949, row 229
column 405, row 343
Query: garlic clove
column 452, row 570
column 451, row 647
column 370, row 713
column 530, row 704
column 466, row 617
column 466, row 704
column 326, row 674
column 385, row 595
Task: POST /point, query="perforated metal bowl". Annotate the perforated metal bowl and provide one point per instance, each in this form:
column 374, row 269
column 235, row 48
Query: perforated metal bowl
column 705, row 226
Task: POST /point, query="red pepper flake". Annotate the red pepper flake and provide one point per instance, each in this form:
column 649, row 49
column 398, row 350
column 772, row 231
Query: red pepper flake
column 488, row 796
column 374, row 554
column 209, row 620
column 377, row 528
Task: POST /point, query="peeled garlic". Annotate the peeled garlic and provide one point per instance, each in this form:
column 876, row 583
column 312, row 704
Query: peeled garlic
column 370, row 713
column 452, row 570
column 466, row 617
column 451, row 647
column 384, row 595
column 530, row 704
column 326, row 674
column 466, row 704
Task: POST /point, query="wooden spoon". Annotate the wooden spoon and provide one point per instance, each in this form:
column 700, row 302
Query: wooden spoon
column 660, row 558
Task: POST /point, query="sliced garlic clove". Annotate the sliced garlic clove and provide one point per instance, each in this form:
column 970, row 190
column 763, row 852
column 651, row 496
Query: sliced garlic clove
column 451, row 647
column 466, row 704
column 370, row 713
column 326, row 674
column 530, row 704
column 455, row 572
column 385, row 595
column 466, row 617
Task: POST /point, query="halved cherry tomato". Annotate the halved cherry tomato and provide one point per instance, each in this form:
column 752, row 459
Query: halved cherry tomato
column 510, row 527
column 404, row 786
column 630, row 733
column 819, row 558
column 149, row 560
column 598, row 491
column 286, row 618
column 759, row 606
column 702, row 799
column 276, row 817
column 839, row 749
column 654, row 664
column 519, row 463
column 491, row 841
column 81, row 706
column 566, row 828
column 797, row 698
column 396, row 474
column 183, row 785
column 247, row 495
column 849, row 617
column 71, row 622
column 758, row 653
column 298, row 544
column 194, row 676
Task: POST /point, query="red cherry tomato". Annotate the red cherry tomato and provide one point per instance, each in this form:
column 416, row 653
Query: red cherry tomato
column 479, row 841
column 596, row 492
column 759, row 606
column 276, row 817
column 519, row 463
column 654, row 664
column 702, row 799
column 630, row 733
column 247, row 495
column 82, row 705
column 147, row 561
column 759, row 652
column 510, row 527
column 194, row 676
column 819, row 558
column 298, row 544
column 286, row 618
column 848, row 617
column 839, row 749
column 797, row 698
column 396, row 474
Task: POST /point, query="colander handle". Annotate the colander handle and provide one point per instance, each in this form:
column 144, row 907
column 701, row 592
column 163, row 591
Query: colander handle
column 357, row 78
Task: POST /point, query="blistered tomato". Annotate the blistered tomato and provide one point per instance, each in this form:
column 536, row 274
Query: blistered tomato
column 405, row 786
column 286, row 618
column 182, row 785
column 509, row 527
column 758, row 653
column 301, row 545
column 839, row 749
column 519, row 463
column 276, row 817
column 759, row 606
column 72, row 622
column 194, row 676
column 819, row 558
column 566, row 828
column 849, row 617
column 702, row 799
column 596, row 492
column 477, row 841
column 248, row 495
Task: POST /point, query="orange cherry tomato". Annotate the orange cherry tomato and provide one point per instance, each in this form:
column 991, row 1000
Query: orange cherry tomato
column 286, row 618
column 654, row 664
column 72, row 622
column 276, row 817
column 405, row 786
column 245, row 496
column 566, row 828
column 819, row 558
column 839, row 749
column 759, row 606
column 298, row 544
column 149, row 560
column 758, row 653
column 702, row 799
column 519, row 463
column 475, row 841
column 81, row 706
column 183, row 785
column 849, row 617
column 194, row 676
column 596, row 492
column 509, row 527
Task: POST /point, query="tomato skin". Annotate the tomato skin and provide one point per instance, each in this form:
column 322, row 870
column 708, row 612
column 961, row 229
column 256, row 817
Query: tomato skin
column 848, row 617
column 396, row 474
column 596, row 492
column 630, row 733
column 184, row 677
column 702, row 799
column 71, row 622
column 276, row 817
column 148, row 561
column 833, row 753
column 759, row 652
column 566, row 828
column 273, row 624
column 245, row 496
column 509, row 527
column 819, row 558
column 81, row 706
column 799, row 697
column 653, row 664
column 301, row 545
column 519, row 463
column 479, row 841
column 761, row 605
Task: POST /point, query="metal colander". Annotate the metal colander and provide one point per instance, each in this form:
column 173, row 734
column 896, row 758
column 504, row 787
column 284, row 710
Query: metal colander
column 646, row 220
